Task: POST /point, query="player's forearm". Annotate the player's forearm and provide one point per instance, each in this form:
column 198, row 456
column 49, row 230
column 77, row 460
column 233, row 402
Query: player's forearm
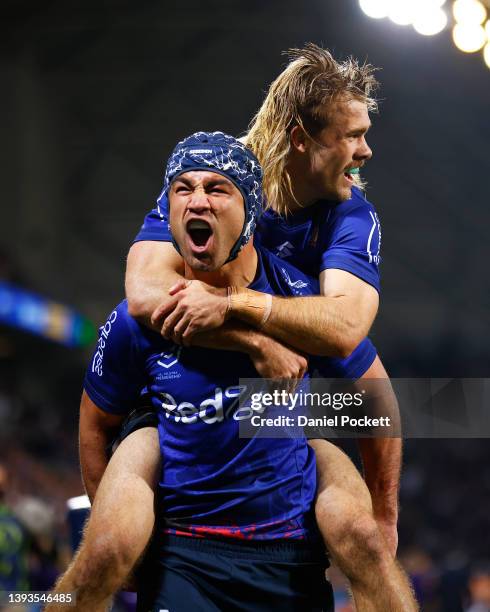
column 381, row 458
column 96, row 432
column 317, row 325
column 152, row 268
column 232, row 336
column 93, row 459
column 145, row 294
column 270, row 358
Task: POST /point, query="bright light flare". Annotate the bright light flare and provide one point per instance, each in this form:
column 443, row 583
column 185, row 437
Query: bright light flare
column 403, row 12
column 469, row 38
column 486, row 54
column 469, row 12
column 431, row 22
column 377, row 9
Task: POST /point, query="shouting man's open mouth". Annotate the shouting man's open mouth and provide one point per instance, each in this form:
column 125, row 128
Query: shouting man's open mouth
column 199, row 234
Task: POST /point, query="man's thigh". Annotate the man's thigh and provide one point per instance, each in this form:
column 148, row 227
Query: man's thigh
column 338, row 477
column 137, row 454
column 123, row 507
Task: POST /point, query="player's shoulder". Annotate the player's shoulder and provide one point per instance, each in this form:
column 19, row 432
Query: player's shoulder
column 121, row 321
column 121, row 313
column 358, row 203
column 354, row 217
column 130, row 331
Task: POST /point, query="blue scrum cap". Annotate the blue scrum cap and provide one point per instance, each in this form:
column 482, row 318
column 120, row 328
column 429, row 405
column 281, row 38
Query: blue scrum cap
column 218, row 152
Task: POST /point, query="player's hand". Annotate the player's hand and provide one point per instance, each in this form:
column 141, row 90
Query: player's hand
column 389, row 530
column 275, row 361
column 194, row 307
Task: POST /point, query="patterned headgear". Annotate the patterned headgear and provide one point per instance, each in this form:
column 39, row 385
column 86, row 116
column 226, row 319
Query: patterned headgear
column 218, row 152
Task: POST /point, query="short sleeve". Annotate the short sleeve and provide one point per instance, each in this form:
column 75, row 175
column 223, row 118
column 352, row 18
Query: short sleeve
column 355, row 244
column 115, row 376
column 352, row 367
column 156, row 225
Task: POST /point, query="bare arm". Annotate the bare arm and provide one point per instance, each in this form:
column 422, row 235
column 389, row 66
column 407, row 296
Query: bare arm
column 152, row 268
column 332, row 324
column 382, row 457
column 97, row 430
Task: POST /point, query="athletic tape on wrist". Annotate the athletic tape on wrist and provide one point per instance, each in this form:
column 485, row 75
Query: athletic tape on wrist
column 268, row 310
column 257, row 306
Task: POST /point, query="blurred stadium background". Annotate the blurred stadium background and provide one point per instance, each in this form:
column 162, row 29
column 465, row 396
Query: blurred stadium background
column 94, row 96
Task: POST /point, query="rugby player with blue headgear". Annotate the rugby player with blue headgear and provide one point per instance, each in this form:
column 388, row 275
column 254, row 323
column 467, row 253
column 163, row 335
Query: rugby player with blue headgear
column 309, row 136
column 235, row 525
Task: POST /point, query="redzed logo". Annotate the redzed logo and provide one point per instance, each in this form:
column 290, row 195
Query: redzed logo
column 210, row 410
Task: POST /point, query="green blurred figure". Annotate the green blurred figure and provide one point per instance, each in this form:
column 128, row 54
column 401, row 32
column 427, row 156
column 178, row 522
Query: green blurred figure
column 13, row 544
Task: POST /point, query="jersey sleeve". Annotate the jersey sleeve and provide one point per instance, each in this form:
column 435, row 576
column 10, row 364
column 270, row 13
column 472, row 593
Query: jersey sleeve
column 352, row 367
column 115, row 376
column 156, row 223
column 355, row 244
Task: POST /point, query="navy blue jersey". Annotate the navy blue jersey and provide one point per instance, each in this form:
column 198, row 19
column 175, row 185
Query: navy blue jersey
column 213, row 482
column 345, row 236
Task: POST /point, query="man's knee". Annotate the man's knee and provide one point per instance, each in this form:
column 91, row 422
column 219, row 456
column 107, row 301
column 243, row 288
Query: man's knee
column 103, row 560
column 349, row 529
column 365, row 539
column 338, row 506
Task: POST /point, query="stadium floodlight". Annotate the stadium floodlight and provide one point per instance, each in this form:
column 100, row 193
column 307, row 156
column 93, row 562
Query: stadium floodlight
column 469, row 12
column 471, row 29
column 486, row 54
column 469, row 38
column 377, row 9
column 431, row 21
column 403, row 12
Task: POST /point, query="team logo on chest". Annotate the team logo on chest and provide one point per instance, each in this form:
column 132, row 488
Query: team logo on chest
column 167, row 360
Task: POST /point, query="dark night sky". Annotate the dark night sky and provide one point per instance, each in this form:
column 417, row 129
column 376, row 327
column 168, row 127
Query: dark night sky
column 95, row 94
